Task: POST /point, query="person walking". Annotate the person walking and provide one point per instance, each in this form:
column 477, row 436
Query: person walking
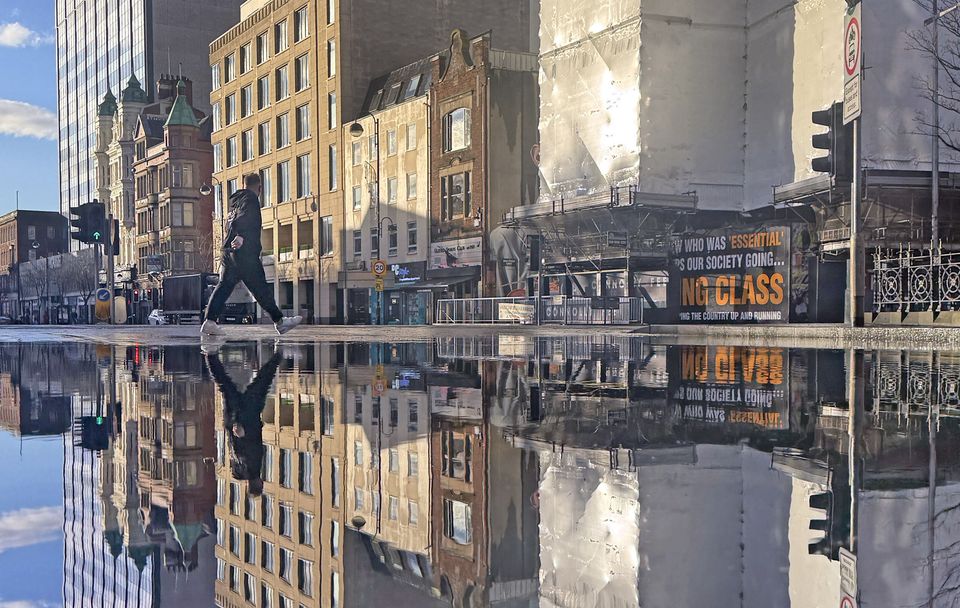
column 240, row 261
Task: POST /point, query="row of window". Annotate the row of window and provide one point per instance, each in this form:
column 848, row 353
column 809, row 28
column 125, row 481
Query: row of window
column 393, row 506
column 280, row 192
column 305, row 535
column 229, row 113
column 410, row 130
column 392, row 191
column 393, row 241
column 154, row 180
column 238, row 501
column 247, row 587
column 176, row 213
column 281, row 42
column 249, row 146
column 413, row 458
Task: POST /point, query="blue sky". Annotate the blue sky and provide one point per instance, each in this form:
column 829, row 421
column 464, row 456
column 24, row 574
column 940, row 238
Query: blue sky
column 31, row 522
column 28, row 105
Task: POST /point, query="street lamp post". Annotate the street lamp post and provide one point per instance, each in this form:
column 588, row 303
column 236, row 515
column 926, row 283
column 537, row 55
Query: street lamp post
column 206, row 190
column 356, row 131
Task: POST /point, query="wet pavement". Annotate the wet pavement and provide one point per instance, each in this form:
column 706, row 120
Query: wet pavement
column 510, row 470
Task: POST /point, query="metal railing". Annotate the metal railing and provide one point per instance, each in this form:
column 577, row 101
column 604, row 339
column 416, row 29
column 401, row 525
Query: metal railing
column 910, row 281
column 548, row 310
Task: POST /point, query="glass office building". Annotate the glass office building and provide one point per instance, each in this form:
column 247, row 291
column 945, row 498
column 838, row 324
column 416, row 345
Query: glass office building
column 101, row 43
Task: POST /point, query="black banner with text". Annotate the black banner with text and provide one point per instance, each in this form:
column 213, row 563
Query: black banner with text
column 731, row 276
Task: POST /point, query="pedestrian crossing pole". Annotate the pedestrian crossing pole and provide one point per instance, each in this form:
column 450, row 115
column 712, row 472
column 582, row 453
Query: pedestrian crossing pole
column 111, row 275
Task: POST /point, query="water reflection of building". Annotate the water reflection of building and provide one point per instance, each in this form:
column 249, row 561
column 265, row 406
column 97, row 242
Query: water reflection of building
column 283, row 547
column 138, row 508
column 32, row 402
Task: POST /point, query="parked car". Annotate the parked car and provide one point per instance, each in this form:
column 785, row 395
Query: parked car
column 156, row 318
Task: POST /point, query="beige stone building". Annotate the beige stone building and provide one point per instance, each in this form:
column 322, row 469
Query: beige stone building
column 398, row 180
column 388, row 453
column 284, row 81
column 284, row 547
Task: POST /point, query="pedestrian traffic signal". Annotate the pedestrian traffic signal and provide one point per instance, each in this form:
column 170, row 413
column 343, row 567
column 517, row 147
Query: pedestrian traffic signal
column 837, row 142
column 88, row 222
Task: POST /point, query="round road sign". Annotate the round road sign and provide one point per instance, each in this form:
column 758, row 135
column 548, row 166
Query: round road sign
column 379, row 268
column 103, row 295
column 851, row 57
column 847, row 602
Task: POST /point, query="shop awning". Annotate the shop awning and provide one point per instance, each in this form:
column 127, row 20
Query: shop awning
column 430, row 284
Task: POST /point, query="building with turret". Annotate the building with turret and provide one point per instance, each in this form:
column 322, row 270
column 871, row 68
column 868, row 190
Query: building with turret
column 171, row 229
column 100, row 44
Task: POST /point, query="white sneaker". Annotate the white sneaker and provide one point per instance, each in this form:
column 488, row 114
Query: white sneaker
column 210, row 345
column 210, row 328
column 288, row 324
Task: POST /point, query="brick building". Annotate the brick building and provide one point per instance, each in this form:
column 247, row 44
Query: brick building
column 26, row 236
column 483, row 130
column 172, row 158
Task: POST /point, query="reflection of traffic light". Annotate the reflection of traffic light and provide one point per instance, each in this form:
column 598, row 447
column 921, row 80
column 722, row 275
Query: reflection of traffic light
column 535, row 413
column 94, row 433
column 833, row 519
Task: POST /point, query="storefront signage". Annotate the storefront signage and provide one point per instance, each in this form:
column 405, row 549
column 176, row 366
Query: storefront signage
column 407, row 273
column 457, row 253
column 731, row 276
column 730, row 385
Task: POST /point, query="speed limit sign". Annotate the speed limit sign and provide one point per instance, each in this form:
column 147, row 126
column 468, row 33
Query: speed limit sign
column 379, row 268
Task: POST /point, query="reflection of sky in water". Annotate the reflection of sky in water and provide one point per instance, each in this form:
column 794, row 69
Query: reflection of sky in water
column 31, row 520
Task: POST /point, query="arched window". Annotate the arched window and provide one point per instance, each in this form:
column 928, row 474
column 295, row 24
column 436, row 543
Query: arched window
column 456, row 130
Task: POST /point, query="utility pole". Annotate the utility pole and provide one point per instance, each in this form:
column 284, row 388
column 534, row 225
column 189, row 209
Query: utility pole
column 111, row 278
column 857, row 254
column 935, row 138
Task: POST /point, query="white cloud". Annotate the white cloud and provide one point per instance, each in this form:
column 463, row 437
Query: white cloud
column 25, row 120
column 17, row 35
column 27, row 527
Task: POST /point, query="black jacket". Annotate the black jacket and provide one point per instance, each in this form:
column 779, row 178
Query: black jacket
column 245, row 221
column 245, row 409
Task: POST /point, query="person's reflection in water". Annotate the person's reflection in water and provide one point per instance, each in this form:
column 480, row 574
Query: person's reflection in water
column 242, row 419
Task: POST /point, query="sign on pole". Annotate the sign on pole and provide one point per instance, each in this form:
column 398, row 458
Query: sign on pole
column 102, row 309
column 852, row 58
column 378, row 284
column 848, row 572
column 379, row 268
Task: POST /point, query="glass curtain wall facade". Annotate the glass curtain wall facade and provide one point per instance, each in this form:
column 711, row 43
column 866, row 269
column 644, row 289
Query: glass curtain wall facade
column 100, row 43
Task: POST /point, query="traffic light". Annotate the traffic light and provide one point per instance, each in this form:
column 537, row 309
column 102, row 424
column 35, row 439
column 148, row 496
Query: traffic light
column 833, row 510
column 115, row 232
column 89, row 222
column 837, row 142
column 535, row 252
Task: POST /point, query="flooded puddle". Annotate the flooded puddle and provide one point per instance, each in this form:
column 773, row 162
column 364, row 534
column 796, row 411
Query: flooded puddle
column 509, row 471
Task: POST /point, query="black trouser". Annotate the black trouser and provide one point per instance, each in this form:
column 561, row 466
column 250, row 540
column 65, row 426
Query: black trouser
column 246, row 269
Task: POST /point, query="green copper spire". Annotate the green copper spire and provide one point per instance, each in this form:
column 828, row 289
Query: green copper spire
column 134, row 92
column 181, row 114
column 108, row 107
